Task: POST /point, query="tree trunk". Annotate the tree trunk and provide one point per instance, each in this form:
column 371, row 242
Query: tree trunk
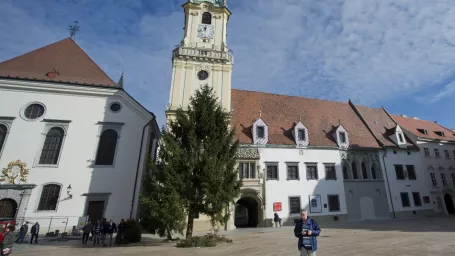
column 169, row 236
column 189, row 226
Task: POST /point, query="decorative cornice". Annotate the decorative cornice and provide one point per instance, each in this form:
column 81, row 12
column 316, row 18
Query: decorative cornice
column 7, row 118
column 56, row 121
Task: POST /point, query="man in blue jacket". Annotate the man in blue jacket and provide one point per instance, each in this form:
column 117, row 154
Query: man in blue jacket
column 306, row 230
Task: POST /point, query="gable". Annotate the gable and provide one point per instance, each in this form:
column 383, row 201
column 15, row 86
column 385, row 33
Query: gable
column 62, row 62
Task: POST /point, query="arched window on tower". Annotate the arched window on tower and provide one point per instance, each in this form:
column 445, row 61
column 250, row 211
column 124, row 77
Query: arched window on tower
column 206, row 18
column 52, row 146
column 106, row 147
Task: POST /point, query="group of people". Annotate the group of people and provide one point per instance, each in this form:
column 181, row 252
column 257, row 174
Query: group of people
column 103, row 230
column 24, row 230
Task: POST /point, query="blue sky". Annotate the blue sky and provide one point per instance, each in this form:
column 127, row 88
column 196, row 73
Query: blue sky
column 396, row 53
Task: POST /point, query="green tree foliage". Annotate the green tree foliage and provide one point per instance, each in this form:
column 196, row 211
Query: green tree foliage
column 197, row 156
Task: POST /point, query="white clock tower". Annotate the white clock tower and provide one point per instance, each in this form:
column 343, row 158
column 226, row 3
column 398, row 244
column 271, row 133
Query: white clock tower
column 202, row 56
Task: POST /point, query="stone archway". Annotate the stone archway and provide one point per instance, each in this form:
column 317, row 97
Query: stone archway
column 449, row 204
column 247, row 212
column 8, row 208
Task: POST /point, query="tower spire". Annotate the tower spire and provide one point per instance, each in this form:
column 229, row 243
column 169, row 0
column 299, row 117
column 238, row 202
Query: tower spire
column 120, row 81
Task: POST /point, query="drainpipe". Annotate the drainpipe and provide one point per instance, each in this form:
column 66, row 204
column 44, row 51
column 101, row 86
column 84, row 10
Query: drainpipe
column 138, row 166
column 388, row 183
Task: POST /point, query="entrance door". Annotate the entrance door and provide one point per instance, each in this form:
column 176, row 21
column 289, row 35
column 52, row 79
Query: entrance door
column 246, row 213
column 449, row 204
column 8, row 208
column 95, row 210
column 367, row 208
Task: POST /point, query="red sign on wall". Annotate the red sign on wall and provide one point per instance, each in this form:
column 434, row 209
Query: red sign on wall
column 426, row 199
column 277, row 207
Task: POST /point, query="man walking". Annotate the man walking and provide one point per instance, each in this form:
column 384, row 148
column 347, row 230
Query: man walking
column 306, row 230
column 22, row 232
column 34, row 231
column 110, row 229
column 86, row 232
column 120, row 231
column 96, row 232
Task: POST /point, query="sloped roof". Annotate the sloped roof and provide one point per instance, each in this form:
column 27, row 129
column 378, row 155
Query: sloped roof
column 65, row 59
column 281, row 113
column 381, row 125
column 412, row 125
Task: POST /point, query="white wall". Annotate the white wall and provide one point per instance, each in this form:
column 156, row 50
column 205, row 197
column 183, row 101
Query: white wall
column 280, row 190
column 79, row 147
column 401, row 186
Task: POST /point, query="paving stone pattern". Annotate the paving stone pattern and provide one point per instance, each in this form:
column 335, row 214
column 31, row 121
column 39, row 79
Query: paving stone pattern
column 431, row 236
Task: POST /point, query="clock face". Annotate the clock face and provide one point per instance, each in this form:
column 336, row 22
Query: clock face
column 205, row 31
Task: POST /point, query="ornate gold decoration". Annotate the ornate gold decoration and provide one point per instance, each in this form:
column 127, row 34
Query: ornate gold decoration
column 218, row 16
column 194, row 13
column 14, row 170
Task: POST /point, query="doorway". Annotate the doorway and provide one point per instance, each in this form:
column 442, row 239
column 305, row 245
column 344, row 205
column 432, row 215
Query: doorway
column 8, row 208
column 449, row 204
column 246, row 213
column 367, row 208
column 95, row 210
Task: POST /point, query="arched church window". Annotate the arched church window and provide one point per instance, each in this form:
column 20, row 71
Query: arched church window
column 49, row 197
column 364, row 171
column 373, row 172
column 106, row 147
column 3, row 131
column 355, row 174
column 52, row 146
column 206, row 18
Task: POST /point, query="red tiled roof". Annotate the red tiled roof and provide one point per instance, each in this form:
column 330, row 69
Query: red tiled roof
column 381, row 125
column 412, row 125
column 63, row 61
column 281, row 113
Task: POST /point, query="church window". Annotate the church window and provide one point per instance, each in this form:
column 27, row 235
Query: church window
column 34, row 111
column 260, row 132
column 202, row 75
column 302, row 134
column 115, row 107
column 364, row 170
column 52, row 146
column 49, row 197
column 206, row 18
column 107, row 147
column 3, row 131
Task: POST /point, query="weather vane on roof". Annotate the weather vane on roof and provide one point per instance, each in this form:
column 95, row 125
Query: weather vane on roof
column 73, row 30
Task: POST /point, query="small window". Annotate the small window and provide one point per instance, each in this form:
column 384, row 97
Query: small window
column 355, row 174
column 345, row 172
column 439, row 200
column 52, row 146
column 330, row 172
column 400, row 137
column 49, row 197
column 206, row 18
column 399, row 172
column 443, row 178
column 411, row 172
column 446, row 152
column 364, row 171
column 373, row 173
column 453, row 178
column 405, row 200
column 436, row 152
column 34, row 111
column 247, row 170
column 115, row 107
column 342, row 137
column 294, row 205
column 433, row 180
column 334, row 203
column 423, row 131
column 260, row 132
column 272, row 172
column 311, row 172
column 202, row 75
column 439, row 133
column 3, row 132
column 427, row 151
column 293, row 172
column 106, row 148
column 416, row 197
column 302, row 135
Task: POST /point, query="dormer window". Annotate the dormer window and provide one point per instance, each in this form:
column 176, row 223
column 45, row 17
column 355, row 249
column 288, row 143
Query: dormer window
column 422, row 131
column 342, row 137
column 206, row 18
column 439, row 133
column 400, row 138
column 260, row 132
column 302, row 135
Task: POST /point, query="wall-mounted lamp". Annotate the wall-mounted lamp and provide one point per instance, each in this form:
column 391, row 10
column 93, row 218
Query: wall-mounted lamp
column 68, row 191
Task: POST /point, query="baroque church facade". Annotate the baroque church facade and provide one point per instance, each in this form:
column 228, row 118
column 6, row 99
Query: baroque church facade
column 73, row 143
column 338, row 160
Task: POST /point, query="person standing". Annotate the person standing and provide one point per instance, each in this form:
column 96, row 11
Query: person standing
column 110, row 229
column 121, row 231
column 104, row 229
column 306, row 230
column 23, row 232
column 86, row 232
column 277, row 220
column 34, row 231
column 96, row 232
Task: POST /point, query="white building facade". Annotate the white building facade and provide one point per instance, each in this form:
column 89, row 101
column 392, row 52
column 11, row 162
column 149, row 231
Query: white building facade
column 69, row 150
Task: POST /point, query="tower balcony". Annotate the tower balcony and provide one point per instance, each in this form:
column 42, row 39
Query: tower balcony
column 184, row 52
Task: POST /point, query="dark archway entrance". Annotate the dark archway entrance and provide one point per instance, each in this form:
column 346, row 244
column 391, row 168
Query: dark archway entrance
column 8, row 208
column 449, row 204
column 246, row 213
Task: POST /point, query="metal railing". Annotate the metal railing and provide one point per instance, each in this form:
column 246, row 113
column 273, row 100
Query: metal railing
column 50, row 224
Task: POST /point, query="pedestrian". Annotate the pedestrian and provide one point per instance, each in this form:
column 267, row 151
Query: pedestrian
column 23, row 232
column 277, row 220
column 7, row 243
column 120, row 231
column 103, row 231
column 110, row 229
column 96, row 232
column 34, row 231
column 306, row 230
column 86, row 232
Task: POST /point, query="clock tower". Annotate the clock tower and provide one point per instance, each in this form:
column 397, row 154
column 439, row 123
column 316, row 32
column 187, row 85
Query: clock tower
column 202, row 57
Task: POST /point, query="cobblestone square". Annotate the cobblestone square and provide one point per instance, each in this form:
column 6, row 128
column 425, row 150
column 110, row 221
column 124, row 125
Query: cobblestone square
column 430, row 236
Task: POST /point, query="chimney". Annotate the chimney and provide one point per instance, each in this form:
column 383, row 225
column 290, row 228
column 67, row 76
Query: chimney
column 403, row 115
column 435, row 122
column 415, row 118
